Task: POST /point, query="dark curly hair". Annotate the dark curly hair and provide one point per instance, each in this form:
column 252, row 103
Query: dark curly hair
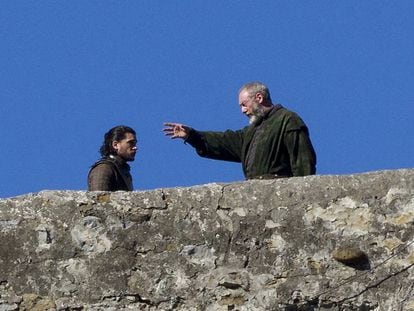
column 116, row 133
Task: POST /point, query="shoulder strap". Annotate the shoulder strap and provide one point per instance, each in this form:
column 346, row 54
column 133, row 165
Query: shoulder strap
column 103, row 160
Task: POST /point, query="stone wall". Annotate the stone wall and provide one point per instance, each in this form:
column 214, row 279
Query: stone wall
column 312, row 243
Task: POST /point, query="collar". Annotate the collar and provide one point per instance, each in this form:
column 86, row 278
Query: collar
column 119, row 161
column 267, row 114
column 272, row 110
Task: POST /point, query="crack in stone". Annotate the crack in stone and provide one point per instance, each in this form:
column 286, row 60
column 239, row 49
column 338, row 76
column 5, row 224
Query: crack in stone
column 164, row 199
column 374, row 285
column 138, row 298
column 227, row 252
column 408, row 295
column 246, row 261
column 221, row 198
column 355, row 277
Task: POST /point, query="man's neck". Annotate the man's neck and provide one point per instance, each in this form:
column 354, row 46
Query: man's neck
column 267, row 107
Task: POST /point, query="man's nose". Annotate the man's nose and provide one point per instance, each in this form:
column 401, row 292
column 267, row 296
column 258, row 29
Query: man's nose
column 244, row 109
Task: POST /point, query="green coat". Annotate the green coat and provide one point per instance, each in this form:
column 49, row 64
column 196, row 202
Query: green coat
column 277, row 145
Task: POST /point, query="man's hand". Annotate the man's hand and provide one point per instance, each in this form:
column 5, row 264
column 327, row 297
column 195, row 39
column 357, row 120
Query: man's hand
column 176, row 130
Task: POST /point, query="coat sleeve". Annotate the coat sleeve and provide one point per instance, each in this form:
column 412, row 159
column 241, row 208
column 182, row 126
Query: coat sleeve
column 217, row 145
column 100, row 178
column 301, row 153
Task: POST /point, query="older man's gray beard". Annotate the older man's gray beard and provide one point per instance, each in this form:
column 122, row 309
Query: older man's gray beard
column 258, row 114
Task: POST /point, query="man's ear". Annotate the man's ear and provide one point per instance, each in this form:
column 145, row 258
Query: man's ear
column 115, row 145
column 259, row 98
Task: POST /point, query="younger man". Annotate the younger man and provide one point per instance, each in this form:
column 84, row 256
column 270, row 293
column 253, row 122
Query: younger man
column 111, row 173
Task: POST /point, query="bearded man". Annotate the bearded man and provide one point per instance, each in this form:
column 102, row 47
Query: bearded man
column 112, row 172
column 275, row 144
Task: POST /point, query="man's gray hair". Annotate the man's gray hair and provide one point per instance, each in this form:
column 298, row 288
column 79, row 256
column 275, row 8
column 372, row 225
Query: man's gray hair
column 257, row 87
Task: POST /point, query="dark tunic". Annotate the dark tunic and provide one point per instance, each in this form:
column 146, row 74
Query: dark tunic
column 278, row 145
column 110, row 174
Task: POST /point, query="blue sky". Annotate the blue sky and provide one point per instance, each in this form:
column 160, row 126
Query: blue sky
column 70, row 70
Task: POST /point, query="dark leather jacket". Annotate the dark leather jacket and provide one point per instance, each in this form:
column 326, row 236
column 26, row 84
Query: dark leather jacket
column 110, row 174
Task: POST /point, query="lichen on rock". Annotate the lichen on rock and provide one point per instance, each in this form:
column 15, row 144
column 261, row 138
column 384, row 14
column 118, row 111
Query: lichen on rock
column 305, row 243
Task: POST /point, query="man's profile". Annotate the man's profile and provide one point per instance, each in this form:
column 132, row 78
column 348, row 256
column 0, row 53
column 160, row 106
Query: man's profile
column 275, row 144
column 112, row 172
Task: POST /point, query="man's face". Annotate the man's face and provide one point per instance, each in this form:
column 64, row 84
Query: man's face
column 126, row 148
column 250, row 105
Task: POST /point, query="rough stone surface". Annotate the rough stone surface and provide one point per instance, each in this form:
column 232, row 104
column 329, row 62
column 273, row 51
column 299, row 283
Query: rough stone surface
column 254, row 245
